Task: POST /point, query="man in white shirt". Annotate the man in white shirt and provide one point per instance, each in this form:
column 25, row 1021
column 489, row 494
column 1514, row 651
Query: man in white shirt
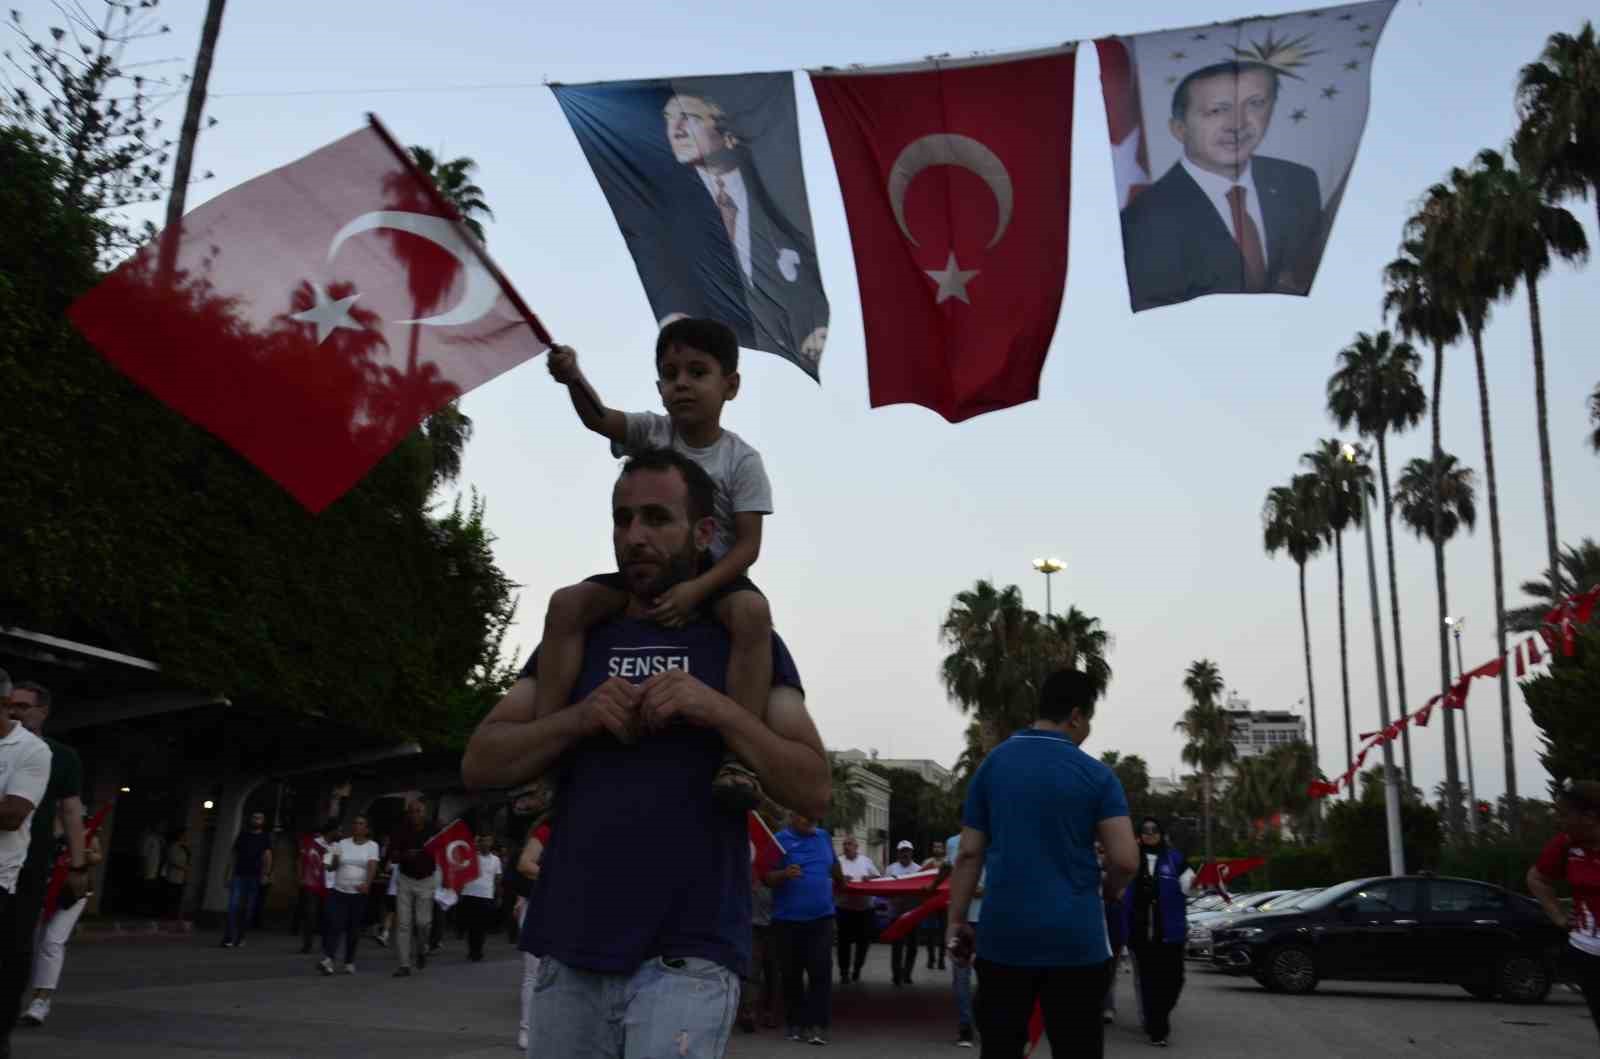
column 24, row 775
column 354, row 864
column 481, row 896
column 903, row 953
column 854, row 912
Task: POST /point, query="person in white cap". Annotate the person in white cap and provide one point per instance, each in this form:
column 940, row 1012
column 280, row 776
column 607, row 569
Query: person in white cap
column 903, row 953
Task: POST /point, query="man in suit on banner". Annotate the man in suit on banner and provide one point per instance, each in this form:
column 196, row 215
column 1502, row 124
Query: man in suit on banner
column 1223, row 219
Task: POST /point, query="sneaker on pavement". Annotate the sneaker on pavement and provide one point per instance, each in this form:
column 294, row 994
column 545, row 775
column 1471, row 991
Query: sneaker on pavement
column 1109, row 1016
column 226, row 944
column 964, row 1037
column 792, row 1033
column 382, row 939
column 817, row 1036
column 522, row 1041
column 36, row 1013
column 349, row 968
column 402, row 972
column 325, row 965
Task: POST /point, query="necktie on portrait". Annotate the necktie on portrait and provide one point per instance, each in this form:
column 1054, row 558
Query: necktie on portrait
column 730, row 212
column 1248, row 237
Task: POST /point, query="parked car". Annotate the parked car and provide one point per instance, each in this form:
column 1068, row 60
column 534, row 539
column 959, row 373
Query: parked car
column 1198, row 944
column 1401, row 929
column 1282, row 903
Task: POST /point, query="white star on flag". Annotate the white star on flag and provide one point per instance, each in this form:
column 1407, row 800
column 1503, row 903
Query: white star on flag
column 329, row 315
column 952, row 281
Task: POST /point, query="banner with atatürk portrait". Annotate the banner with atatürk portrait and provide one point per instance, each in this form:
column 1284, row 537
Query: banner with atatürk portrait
column 1232, row 144
column 704, row 177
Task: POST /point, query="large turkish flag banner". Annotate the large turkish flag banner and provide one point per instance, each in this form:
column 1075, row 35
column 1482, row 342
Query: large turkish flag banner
column 314, row 316
column 955, row 176
column 453, row 850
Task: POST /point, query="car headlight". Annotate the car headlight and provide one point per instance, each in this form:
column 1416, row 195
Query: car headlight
column 1249, row 932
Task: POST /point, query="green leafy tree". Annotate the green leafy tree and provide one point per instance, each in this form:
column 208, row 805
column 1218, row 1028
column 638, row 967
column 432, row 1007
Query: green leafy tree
column 1580, row 570
column 1562, row 702
column 1375, row 387
column 1524, row 230
column 1436, row 497
column 1357, row 835
column 1132, row 773
column 1293, row 521
column 1338, row 483
column 849, row 805
column 1205, row 728
column 1558, row 102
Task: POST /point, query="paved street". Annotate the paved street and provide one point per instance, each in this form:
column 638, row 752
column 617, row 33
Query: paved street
column 184, row 997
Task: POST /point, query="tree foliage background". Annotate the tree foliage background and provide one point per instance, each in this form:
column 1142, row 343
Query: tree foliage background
column 128, row 527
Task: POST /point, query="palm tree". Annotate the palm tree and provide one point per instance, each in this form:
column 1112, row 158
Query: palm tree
column 1204, row 726
column 1375, row 386
column 1524, row 229
column 1594, row 417
column 1558, row 100
column 1337, row 481
column 1292, row 521
column 1436, row 497
column 454, row 181
column 1580, row 567
column 1075, row 640
column 1453, row 224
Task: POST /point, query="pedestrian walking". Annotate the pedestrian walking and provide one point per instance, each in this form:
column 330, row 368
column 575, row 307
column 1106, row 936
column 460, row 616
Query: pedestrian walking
column 854, row 912
column 1156, row 918
column 25, row 769
column 249, row 862
column 313, row 884
column 1574, row 856
column 354, row 863
column 1034, row 809
column 930, row 932
column 152, row 893
column 802, row 910
column 480, row 898
column 50, row 941
column 415, row 883
column 903, row 951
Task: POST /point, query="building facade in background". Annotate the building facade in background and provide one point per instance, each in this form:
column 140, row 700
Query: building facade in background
column 1256, row 732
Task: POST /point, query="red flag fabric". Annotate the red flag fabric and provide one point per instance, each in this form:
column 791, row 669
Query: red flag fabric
column 1488, row 669
column 905, row 923
column 765, row 853
column 315, row 316
column 905, row 884
column 1218, row 873
column 1534, row 657
column 1035, row 1029
column 958, row 221
column 457, row 857
column 1522, row 665
column 1584, row 605
column 1130, row 156
column 63, row 864
column 313, row 876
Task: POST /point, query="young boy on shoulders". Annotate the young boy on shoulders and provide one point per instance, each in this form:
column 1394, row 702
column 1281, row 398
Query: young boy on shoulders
column 697, row 373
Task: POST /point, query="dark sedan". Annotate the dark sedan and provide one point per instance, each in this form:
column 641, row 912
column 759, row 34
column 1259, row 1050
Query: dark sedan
column 1401, row 929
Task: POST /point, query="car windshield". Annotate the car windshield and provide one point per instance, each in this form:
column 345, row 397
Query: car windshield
column 1327, row 898
column 1287, row 901
column 1206, row 903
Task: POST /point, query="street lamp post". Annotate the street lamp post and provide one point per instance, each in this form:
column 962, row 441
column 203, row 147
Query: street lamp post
column 1048, row 567
column 1391, row 785
column 1454, row 624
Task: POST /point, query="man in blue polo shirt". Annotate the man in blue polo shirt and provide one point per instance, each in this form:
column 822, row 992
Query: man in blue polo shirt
column 802, row 908
column 1034, row 809
column 645, row 961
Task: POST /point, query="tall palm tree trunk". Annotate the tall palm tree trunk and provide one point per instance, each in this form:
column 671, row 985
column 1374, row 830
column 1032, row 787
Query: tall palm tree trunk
column 1509, row 745
column 1551, row 548
column 1311, row 693
column 1344, row 660
column 1452, row 763
column 1394, row 602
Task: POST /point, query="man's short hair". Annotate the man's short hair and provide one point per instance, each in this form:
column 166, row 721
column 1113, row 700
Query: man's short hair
column 1066, row 690
column 711, row 337
column 1233, row 68
column 5, row 684
column 702, row 491
column 1581, row 795
column 41, row 694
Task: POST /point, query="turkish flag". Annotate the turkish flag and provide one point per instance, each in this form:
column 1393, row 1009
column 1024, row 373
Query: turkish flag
column 453, row 850
column 315, row 315
column 313, row 876
column 765, row 853
column 1217, row 873
column 958, row 220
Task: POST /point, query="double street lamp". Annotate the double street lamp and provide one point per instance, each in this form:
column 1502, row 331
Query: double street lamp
column 1454, row 625
column 1048, row 567
column 1391, row 785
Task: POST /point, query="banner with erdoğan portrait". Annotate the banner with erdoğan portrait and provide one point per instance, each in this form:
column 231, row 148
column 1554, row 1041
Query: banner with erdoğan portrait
column 1232, row 144
column 704, row 177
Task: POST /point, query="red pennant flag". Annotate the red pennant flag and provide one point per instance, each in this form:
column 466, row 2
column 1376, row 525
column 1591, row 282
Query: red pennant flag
column 1456, row 698
column 1522, row 665
column 1488, row 669
column 317, row 314
column 457, row 857
column 1584, row 605
column 1218, row 873
column 958, row 221
column 765, row 853
column 1534, row 657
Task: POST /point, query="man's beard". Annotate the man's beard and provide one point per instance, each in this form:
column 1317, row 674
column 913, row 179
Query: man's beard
column 675, row 571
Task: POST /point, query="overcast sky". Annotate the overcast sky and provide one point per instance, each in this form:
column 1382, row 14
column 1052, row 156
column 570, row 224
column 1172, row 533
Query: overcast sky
column 1143, row 464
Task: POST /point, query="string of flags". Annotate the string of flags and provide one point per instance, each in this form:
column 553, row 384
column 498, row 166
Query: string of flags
column 1558, row 629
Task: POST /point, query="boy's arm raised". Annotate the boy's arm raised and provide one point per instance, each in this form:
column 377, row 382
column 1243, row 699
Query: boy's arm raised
column 607, row 422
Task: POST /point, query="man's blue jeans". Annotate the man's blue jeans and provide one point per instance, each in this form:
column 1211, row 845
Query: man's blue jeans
column 242, row 897
column 961, row 982
column 677, row 1007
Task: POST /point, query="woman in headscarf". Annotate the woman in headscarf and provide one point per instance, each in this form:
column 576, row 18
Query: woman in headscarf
column 1155, row 914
